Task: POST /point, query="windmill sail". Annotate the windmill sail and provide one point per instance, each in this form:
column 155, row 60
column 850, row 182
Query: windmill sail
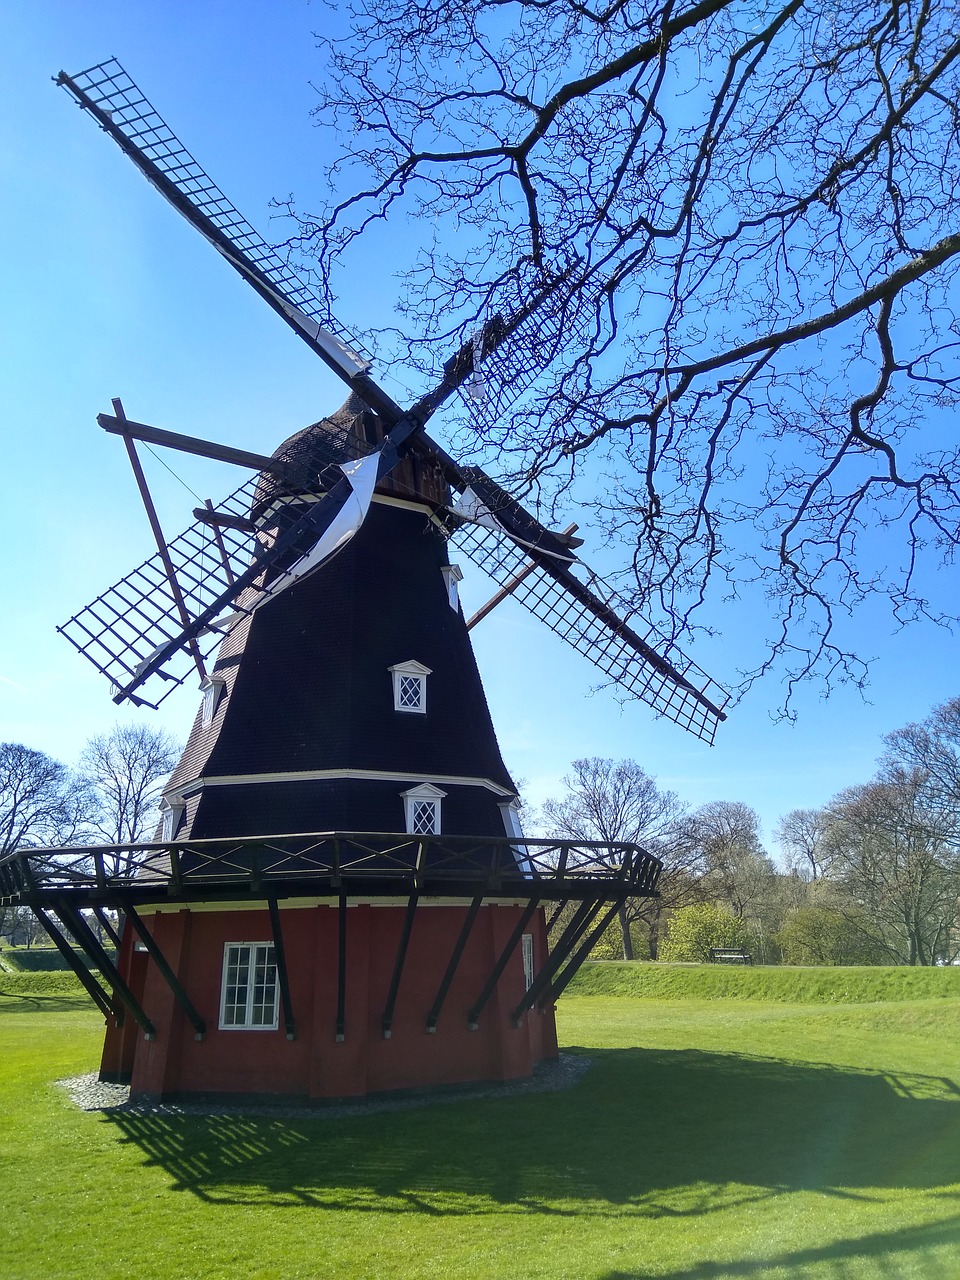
column 118, row 106
column 124, row 629
column 132, row 632
column 535, row 319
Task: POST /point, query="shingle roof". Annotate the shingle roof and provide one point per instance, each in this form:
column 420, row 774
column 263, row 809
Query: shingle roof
column 308, row 687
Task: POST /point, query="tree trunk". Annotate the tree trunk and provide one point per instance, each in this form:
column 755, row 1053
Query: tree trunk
column 625, row 933
column 653, row 934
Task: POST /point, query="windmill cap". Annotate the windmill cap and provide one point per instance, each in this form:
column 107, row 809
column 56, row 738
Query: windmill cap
column 315, row 452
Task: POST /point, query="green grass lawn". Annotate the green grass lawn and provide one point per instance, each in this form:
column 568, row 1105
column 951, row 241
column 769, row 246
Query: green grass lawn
column 722, row 1138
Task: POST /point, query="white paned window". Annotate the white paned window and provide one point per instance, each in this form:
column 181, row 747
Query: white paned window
column 212, row 689
column 250, row 993
column 422, row 810
column 170, row 815
column 452, row 574
column 526, row 943
column 510, row 810
column 410, row 686
column 410, row 693
column 423, row 818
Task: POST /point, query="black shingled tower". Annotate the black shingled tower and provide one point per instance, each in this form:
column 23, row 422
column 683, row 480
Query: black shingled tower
column 304, row 733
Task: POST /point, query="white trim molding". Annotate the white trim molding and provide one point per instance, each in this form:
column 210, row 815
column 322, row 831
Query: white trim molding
column 334, row 775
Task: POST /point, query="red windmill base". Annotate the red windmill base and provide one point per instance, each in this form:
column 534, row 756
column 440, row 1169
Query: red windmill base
column 313, row 1060
column 327, row 966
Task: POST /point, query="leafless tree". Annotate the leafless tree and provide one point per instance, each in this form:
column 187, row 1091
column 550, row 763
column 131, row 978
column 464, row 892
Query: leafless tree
column 895, row 856
column 752, row 211
column 126, row 769
column 931, row 751
column 616, row 801
column 738, row 869
column 41, row 802
column 802, row 835
column 741, row 875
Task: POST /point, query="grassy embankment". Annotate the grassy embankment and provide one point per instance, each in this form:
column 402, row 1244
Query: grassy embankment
column 789, row 1135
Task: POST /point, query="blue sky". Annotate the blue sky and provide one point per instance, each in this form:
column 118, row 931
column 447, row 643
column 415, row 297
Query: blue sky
column 108, row 293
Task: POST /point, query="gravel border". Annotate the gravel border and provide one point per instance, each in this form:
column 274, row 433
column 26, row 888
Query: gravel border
column 90, row 1094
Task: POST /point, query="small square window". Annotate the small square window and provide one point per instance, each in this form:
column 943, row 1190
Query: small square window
column 422, row 810
column 424, row 817
column 410, row 693
column 249, row 1000
column 410, row 686
column 212, row 689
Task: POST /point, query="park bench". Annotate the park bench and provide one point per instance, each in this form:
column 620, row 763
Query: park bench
column 730, row 955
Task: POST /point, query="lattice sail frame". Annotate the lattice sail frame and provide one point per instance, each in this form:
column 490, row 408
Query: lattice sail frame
column 122, row 630
column 559, row 315
column 502, row 560
column 111, row 88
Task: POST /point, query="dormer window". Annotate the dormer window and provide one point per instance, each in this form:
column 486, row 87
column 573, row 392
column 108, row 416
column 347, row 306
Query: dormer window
column 170, row 814
column 212, row 687
column 452, row 574
column 410, row 686
column 422, row 809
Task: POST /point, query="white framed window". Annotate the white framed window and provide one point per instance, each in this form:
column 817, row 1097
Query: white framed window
column 212, row 687
column 452, row 574
column 170, row 815
column 410, row 686
column 510, row 811
column 421, row 808
column 526, row 946
column 249, row 997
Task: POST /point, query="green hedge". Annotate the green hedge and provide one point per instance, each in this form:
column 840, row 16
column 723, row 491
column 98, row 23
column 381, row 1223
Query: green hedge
column 807, row 985
column 39, row 984
column 38, row 959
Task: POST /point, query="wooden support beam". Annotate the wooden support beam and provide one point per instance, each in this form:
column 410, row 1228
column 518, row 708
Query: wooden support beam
column 107, row 926
column 581, row 920
column 386, row 1022
column 341, row 968
column 555, row 990
column 171, row 979
column 120, row 425
column 282, row 975
column 161, row 542
column 458, row 950
column 86, row 978
column 208, row 514
column 86, row 940
column 555, row 914
column 501, row 964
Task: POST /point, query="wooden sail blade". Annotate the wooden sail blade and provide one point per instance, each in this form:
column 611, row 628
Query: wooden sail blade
column 531, row 319
column 629, row 651
column 558, row 323
column 128, row 632
column 122, row 111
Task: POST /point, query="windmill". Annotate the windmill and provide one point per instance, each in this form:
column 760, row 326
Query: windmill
column 339, row 840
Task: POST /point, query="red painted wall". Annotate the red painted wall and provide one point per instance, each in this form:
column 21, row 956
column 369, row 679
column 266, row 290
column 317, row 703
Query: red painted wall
column 314, row 1065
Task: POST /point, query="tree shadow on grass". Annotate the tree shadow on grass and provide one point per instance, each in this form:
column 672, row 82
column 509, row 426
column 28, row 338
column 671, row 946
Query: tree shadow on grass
column 651, row 1133
column 37, row 1002
column 931, row 1251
